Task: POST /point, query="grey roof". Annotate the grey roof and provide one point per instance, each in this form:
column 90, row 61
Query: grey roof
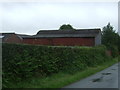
column 23, row 35
column 66, row 33
column 6, row 35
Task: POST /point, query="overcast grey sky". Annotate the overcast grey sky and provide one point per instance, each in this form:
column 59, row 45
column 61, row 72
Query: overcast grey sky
column 30, row 17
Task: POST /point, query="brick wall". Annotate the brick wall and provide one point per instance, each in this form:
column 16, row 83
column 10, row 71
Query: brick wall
column 61, row 41
column 13, row 38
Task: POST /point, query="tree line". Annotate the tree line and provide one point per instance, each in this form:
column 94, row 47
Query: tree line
column 111, row 39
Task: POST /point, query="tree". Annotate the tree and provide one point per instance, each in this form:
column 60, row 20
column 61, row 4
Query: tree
column 66, row 27
column 110, row 38
column 119, row 44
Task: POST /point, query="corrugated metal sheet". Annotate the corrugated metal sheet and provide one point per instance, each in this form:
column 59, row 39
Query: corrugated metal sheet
column 66, row 33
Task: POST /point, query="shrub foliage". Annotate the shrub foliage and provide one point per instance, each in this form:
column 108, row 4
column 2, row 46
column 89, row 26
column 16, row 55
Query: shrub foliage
column 20, row 62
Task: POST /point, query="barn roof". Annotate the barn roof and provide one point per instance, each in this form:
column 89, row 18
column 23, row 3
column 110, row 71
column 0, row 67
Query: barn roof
column 23, row 35
column 5, row 35
column 66, row 33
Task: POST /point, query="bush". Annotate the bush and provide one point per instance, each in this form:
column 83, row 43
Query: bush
column 21, row 62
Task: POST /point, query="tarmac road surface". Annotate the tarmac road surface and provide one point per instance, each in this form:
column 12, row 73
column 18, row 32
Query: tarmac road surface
column 107, row 78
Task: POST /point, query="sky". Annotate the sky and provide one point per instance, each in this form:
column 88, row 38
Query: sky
column 30, row 17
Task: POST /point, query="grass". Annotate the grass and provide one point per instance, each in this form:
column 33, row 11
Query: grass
column 61, row 79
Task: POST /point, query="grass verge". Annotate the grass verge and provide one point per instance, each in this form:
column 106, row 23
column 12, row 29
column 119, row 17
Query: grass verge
column 61, row 79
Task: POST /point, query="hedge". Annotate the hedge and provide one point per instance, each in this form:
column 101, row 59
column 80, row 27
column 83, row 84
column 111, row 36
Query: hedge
column 21, row 62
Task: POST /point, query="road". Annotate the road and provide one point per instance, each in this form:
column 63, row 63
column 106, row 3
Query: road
column 107, row 78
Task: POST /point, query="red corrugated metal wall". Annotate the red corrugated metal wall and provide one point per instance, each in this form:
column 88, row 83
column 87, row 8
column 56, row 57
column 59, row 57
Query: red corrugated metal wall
column 62, row 41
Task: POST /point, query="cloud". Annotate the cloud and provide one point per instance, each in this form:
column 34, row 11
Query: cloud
column 28, row 17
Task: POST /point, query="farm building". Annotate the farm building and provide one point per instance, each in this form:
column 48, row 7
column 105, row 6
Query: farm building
column 12, row 37
column 80, row 37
